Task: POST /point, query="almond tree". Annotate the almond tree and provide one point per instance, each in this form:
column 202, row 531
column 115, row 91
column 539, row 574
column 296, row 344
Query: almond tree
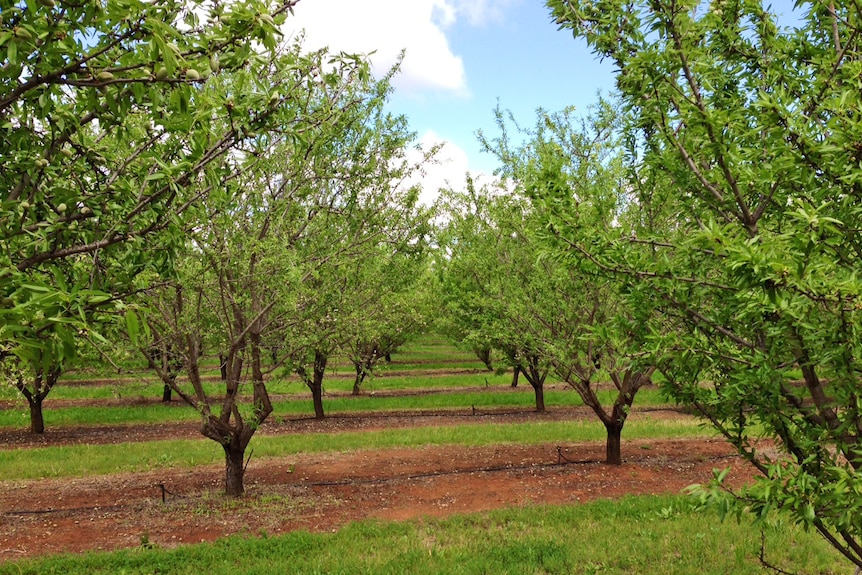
column 476, row 266
column 262, row 265
column 359, row 295
column 390, row 300
column 546, row 314
column 744, row 140
column 587, row 331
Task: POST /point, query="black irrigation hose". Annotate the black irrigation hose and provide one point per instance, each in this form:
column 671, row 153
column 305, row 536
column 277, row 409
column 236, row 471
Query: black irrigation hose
column 64, row 510
column 166, row 491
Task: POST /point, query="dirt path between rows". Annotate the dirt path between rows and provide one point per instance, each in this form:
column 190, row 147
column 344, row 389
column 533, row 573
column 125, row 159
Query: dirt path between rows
column 320, row 492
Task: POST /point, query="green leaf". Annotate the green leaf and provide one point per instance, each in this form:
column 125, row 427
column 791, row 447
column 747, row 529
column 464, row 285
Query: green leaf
column 133, row 326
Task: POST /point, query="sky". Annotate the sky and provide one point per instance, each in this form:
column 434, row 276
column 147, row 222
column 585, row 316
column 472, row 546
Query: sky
column 462, row 58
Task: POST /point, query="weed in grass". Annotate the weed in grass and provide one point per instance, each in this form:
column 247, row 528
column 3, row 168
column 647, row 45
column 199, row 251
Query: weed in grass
column 145, row 541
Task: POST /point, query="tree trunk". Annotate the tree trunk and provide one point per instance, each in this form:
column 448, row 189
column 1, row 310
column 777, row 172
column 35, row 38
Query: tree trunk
column 320, row 360
column 540, row 396
column 317, row 398
column 484, row 355
column 516, row 376
column 536, row 376
column 613, row 453
column 360, row 377
column 166, row 393
column 222, row 360
column 234, row 455
column 37, row 419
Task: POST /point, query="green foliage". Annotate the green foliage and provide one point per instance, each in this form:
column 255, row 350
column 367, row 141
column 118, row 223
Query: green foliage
column 742, row 233
column 116, row 121
column 108, row 115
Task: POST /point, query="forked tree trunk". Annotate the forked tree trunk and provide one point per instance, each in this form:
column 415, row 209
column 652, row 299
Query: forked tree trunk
column 37, row 418
column 536, row 376
column 613, row 453
column 42, row 385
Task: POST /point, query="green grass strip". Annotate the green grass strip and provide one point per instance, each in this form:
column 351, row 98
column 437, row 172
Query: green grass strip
column 85, row 460
column 643, row 535
column 176, row 412
column 149, row 387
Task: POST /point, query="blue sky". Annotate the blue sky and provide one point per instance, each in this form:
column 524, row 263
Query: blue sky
column 462, row 57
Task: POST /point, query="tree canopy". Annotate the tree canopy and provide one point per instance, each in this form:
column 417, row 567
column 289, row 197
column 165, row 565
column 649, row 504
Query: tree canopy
column 115, row 125
column 744, row 203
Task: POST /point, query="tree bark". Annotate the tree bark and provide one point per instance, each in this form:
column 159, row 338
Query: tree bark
column 540, row 396
column 536, row 376
column 37, row 419
column 357, row 383
column 613, row 453
column 222, row 360
column 516, row 375
column 234, row 453
column 166, row 393
column 316, row 384
column 484, row 355
column 317, row 398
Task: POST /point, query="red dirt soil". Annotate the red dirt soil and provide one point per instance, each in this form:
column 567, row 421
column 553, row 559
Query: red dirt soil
column 320, row 492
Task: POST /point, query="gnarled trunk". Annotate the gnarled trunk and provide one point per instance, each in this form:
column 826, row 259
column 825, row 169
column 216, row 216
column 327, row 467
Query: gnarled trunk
column 536, row 375
column 484, row 355
column 43, row 383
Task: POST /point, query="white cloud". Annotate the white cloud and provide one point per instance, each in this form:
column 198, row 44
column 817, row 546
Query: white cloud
column 480, row 12
column 449, row 170
column 390, row 26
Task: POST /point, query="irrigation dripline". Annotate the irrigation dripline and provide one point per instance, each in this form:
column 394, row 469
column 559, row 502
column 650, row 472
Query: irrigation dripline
column 562, row 460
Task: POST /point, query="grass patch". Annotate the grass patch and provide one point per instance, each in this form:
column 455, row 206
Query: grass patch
column 177, row 412
column 662, row 536
column 150, row 388
column 86, row 460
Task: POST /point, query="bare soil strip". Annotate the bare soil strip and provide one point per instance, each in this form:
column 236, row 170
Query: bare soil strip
column 321, row 492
